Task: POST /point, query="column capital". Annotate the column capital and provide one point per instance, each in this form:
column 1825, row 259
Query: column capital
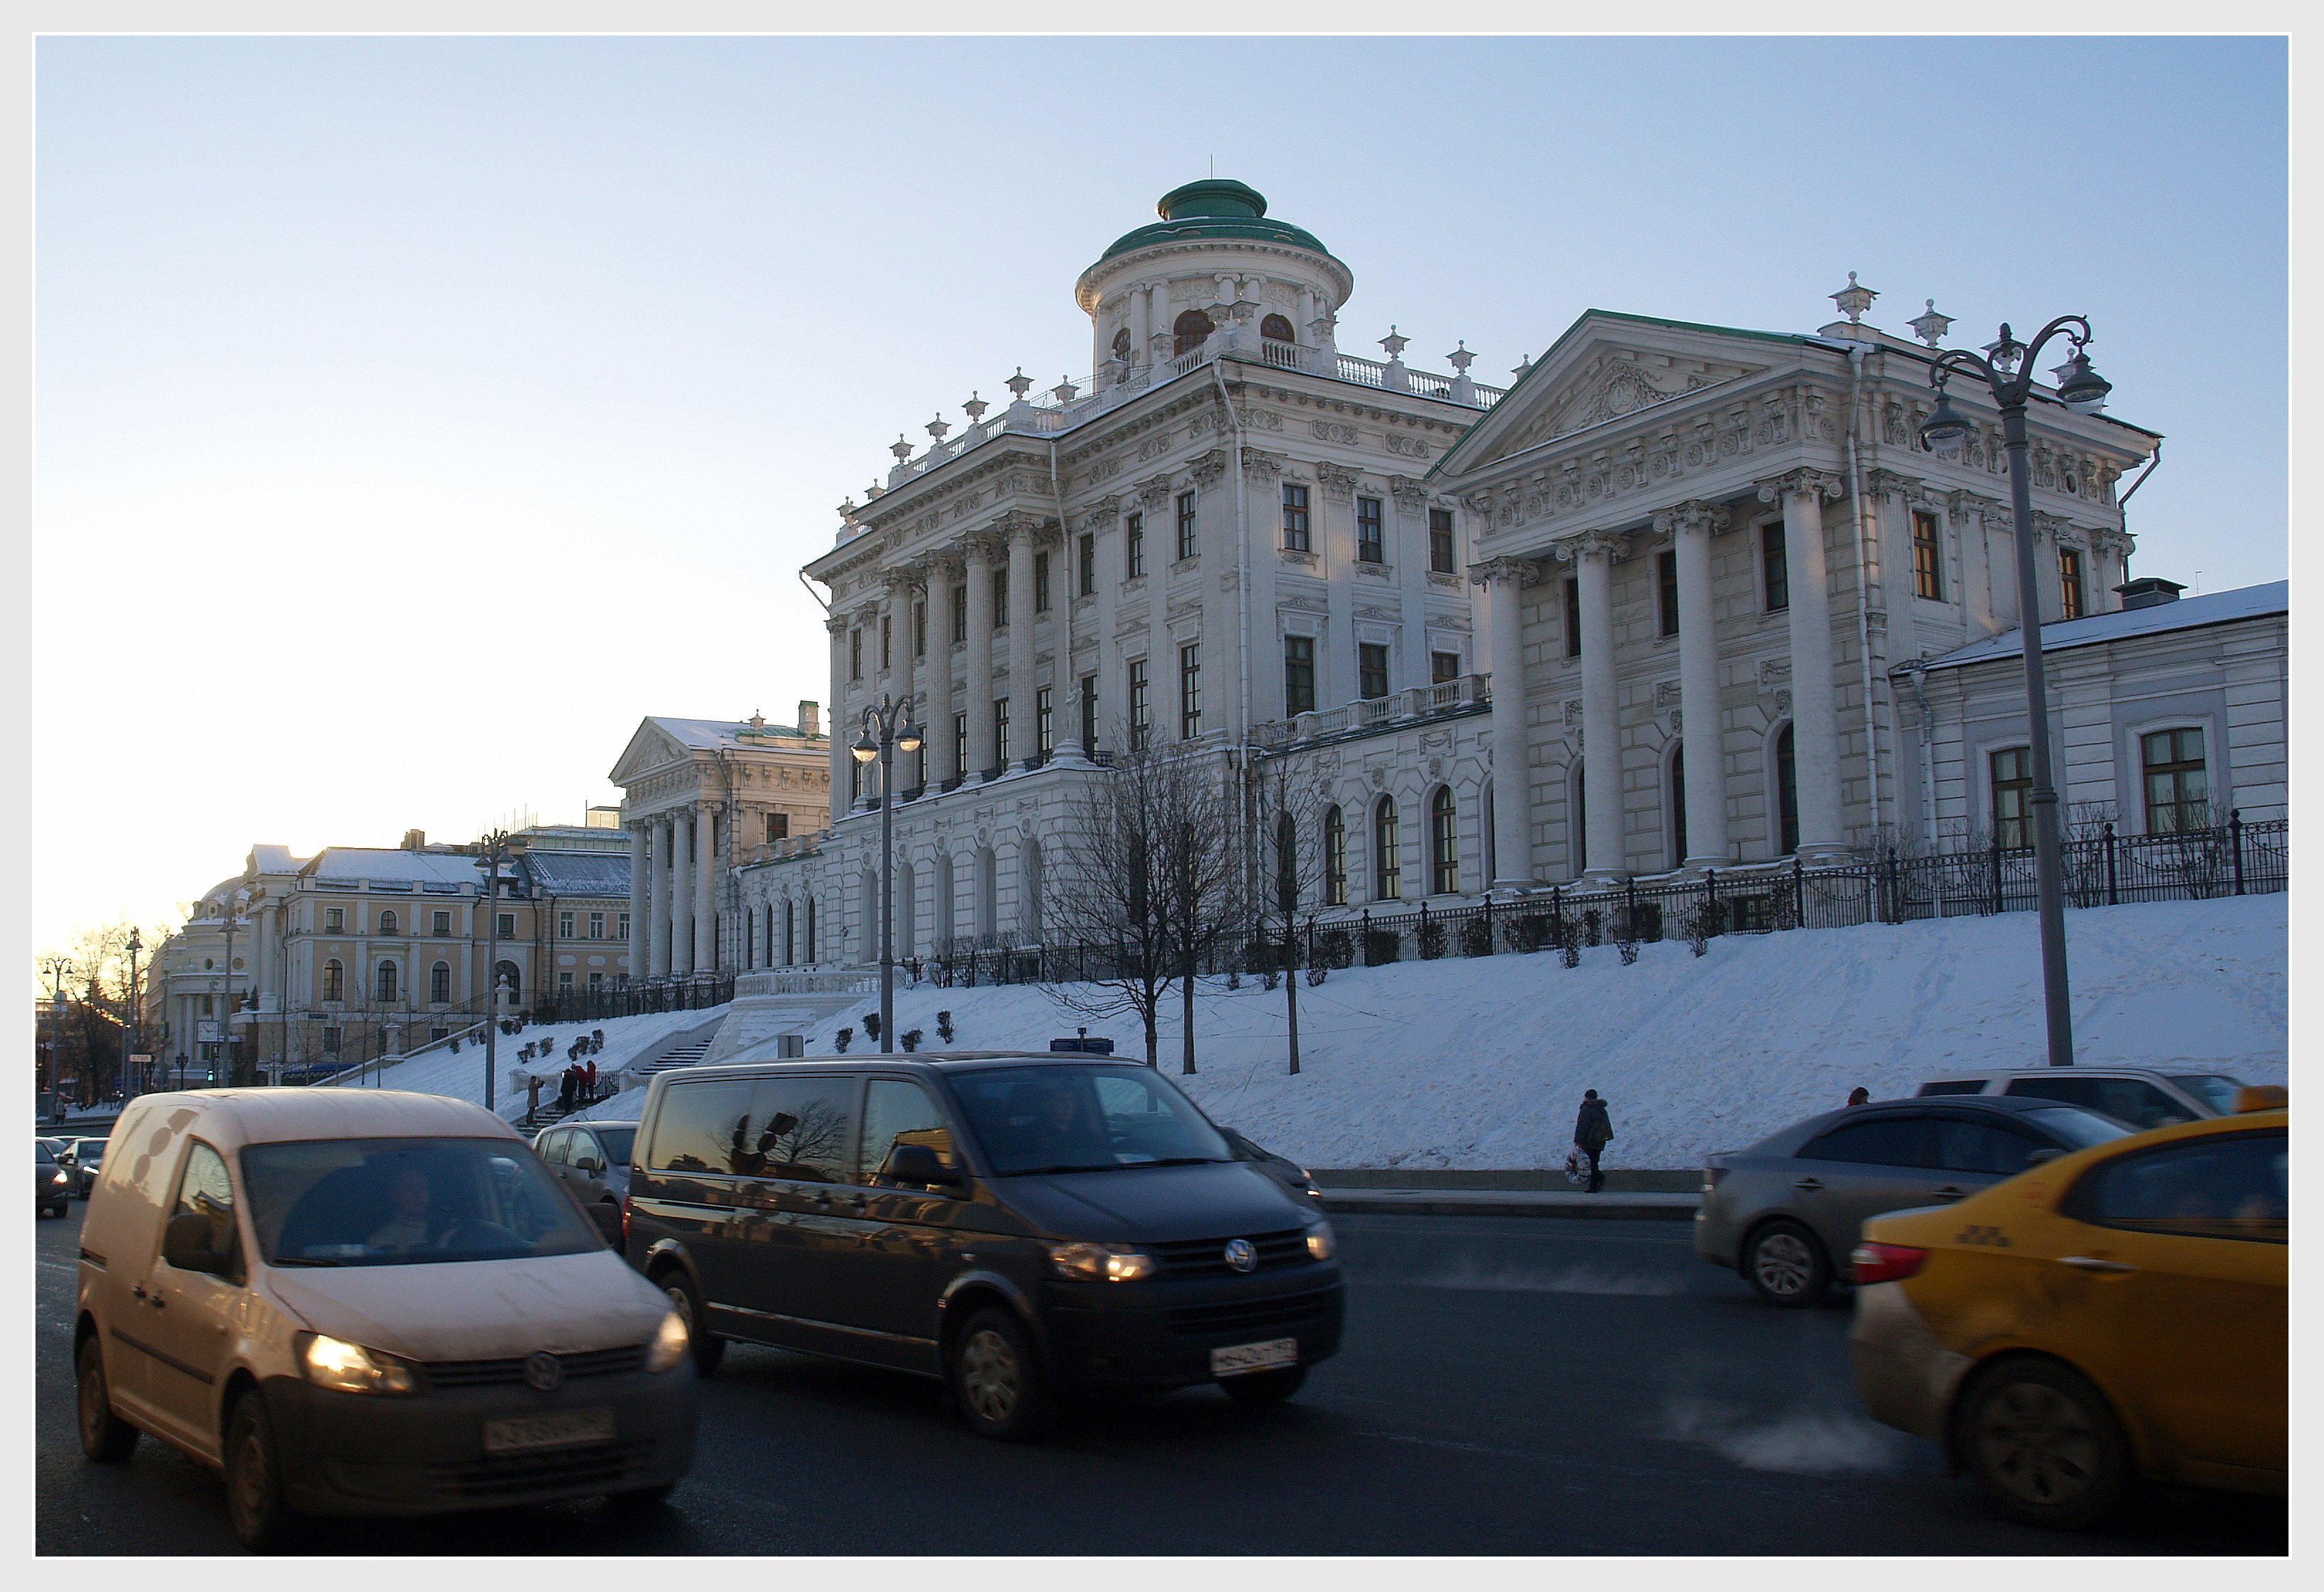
column 1016, row 526
column 1591, row 544
column 1211, row 468
column 1806, row 483
column 1694, row 515
column 1960, row 504
column 1410, row 494
column 1102, row 512
column 1885, row 483
column 1155, row 490
column 837, row 623
column 1338, row 482
column 1520, row 571
column 2052, row 526
column 904, row 580
column 1259, row 462
column 983, row 546
column 2115, row 544
column 941, row 564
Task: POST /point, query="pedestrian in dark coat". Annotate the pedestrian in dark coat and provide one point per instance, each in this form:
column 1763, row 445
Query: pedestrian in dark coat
column 1859, row 1096
column 565, row 1092
column 1592, row 1132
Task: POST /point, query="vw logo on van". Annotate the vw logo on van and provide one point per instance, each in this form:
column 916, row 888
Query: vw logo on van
column 1242, row 1255
column 543, row 1371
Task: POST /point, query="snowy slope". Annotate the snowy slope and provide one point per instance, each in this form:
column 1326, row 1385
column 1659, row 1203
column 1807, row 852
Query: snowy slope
column 463, row 1075
column 1481, row 1063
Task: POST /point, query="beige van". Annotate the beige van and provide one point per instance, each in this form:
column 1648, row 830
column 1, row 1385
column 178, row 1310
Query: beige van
column 364, row 1301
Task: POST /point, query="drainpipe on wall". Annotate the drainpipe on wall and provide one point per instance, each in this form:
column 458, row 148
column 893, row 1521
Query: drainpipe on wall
column 1863, row 588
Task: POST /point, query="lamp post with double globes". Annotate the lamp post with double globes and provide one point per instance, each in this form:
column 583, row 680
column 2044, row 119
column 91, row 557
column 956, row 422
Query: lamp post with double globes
column 2006, row 368
column 887, row 729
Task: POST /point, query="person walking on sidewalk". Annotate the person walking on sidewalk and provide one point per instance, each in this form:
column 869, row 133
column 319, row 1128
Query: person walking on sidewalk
column 1592, row 1132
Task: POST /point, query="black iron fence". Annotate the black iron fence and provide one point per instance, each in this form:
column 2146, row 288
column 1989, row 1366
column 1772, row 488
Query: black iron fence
column 2104, row 870
column 676, row 993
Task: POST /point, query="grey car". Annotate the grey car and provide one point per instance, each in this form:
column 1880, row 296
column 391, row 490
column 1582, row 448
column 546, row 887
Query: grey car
column 51, row 1184
column 591, row 1158
column 87, row 1161
column 1785, row 1212
column 2137, row 1096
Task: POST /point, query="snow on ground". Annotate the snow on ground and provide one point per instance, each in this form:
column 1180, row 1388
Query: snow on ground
column 462, row 1075
column 1481, row 1063
column 624, row 1106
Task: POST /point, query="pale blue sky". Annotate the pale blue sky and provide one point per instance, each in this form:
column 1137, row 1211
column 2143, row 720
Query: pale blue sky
column 415, row 415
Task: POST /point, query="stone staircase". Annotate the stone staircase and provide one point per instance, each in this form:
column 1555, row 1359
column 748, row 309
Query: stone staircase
column 684, row 1055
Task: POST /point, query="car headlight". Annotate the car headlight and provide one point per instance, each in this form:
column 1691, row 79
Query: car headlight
column 1321, row 1242
column 349, row 1367
column 668, row 1345
column 60, row 1178
column 1099, row 1262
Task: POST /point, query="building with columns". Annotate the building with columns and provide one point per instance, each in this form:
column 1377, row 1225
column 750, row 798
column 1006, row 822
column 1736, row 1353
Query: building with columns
column 701, row 798
column 1657, row 607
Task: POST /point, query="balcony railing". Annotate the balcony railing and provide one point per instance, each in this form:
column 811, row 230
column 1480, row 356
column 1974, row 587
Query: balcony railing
column 1461, row 695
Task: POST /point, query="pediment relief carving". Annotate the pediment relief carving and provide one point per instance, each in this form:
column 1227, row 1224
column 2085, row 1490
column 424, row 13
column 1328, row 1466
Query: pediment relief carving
column 1614, row 383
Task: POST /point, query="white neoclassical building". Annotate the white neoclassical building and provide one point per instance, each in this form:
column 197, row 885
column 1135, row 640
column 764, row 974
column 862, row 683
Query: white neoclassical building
column 1644, row 612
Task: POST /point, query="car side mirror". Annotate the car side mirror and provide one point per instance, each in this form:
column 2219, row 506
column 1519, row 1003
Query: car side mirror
column 608, row 1218
column 2041, row 1157
column 917, row 1163
column 186, row 1244
column 589, row 1164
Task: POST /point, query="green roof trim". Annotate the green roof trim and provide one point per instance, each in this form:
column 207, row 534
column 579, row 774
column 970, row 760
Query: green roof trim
column 1215, row 208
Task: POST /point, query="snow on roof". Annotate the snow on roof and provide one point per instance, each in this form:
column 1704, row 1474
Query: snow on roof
column 709, row 734
column 350, row 863
column 579, row 873
column 275, row 858
column 2187, row 613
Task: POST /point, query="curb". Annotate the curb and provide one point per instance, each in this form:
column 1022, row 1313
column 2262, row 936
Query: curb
column 1639, row 1207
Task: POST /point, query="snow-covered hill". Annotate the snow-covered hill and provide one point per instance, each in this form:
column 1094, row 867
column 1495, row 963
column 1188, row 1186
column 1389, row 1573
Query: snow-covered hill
column 462, row 1073
column 1481, row 1063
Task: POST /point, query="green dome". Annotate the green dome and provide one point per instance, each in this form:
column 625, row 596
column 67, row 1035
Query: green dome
column 1215, row 208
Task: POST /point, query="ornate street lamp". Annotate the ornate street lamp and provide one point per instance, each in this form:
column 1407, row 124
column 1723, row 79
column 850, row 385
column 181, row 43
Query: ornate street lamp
column 495, row 850
column 2006, row 368
column 888, row 730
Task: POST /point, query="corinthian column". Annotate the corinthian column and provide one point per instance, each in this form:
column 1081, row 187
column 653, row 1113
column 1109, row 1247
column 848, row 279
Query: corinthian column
column 638, row 933
column 1024, row 691
column 903, row 587
column 976, row 552
column 658, row 940
column 1504, row 580
column 1815, row 710
column 706, row 878
column 681, row 892
column 1690, row 526
column 1592, row 555
column 837, row 625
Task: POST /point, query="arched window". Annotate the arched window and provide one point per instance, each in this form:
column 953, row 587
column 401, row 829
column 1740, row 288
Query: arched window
column 386, row 983
column 1336, row 857
column 810, row 928
column 1121, row 346
column 1187, row 332
column 1678, row 804
column 1287, row 865
column 1276, row 329
column 946, row 928
column 335, row 980
column 387, row 923
column 439, row 983
column 988, row 895
column 1444, row 844
column 505, row 976
column 1387, row 850
column 1787, row 796
column 908, row 909
column 867, row 893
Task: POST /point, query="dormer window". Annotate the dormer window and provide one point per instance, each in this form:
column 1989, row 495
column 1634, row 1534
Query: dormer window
column 1276, row 329
column 1188, row 331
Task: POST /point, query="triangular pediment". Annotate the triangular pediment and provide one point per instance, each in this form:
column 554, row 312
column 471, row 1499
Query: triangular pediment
column 650, row 748
column 1605, row 368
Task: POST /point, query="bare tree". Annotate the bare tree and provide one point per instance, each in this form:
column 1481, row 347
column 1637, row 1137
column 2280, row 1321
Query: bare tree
column 1208, row 873
column 1287, row 808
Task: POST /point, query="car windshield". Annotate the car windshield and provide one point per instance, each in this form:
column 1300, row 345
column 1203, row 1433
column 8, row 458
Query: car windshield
column 2076, row 1126
column 1070, row 1118
column 617, row 1142
column 2214, row 1089
column 40, row 1157
column 407, row 1201
column 90, row 1152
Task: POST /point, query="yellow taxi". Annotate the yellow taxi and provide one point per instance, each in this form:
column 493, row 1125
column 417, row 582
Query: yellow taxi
column 2112, row 1315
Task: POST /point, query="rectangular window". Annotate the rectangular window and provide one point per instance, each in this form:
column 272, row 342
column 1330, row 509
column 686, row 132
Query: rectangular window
column 1928, row 556
column 960, row 746
column 597, row 982
column 621, row 926
column 2013, row 792
column 1335, row 859
column 1444, row 667
column 1190, row 690
column 334, row 920
column 779, row 826
column 1089, row 564
column 855, row 783
column 1572, row 617
column 1139, row 711
column 1296, row 538
column 1041, row 583
column 1001, row 732
column 1440, row 540
column 508, row 926
column 1190, row 541
column 1298, row 675
column 1371, row 537
column 1371, row 669
column 1667, row 586
column 855, row 654
column 334, row 1041
column 959, row 615
column 2070, row 582
column 1042, row 718
column 1774, row 572
column 1133, row 542
column 1089, row 713
column 920, row 630
column 2178, row 791
column 565, row 983
column 565, row 921
column 596, row 926
column 1000, row 599
column 441, row 923
column 1387, row 852
column 886, row 627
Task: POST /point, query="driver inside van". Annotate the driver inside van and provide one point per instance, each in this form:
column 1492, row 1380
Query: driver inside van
column 1063, row 1115
column 407, row 1229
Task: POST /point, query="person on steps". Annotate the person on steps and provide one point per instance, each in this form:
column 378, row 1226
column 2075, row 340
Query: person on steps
column 1592, row 1132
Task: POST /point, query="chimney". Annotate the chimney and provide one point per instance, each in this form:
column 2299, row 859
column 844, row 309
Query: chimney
column 415, row 840
column 809, row 716
column 2147, row 591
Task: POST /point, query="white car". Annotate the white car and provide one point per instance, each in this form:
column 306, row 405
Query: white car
column 2138, row 1098
column 360, row 1302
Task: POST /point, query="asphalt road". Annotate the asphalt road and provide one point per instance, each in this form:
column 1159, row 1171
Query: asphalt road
column 1507, row 1386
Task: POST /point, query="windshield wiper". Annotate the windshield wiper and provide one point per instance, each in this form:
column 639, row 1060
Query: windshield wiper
column 1177, row 1161
column 1039, row 1170
column 310, row 1260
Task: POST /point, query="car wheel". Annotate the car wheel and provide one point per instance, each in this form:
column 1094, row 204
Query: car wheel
column 254, row 1505
column 706, row 1348
column 996, row 1380
column 1265, row 1388
column 1786, row 1265
column 2045, row 1445
column 104, row 1437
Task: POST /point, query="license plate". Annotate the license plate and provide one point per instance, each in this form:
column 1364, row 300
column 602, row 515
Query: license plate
column 568, row 1429
column 1243, row 1357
